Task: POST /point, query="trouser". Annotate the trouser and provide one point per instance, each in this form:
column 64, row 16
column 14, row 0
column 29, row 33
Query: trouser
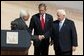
column 58, row 51
column 63, row 53
column 42, row 48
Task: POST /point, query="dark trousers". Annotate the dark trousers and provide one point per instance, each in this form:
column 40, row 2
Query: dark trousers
column 58, row 51
column 63, row 53
column 41, row 50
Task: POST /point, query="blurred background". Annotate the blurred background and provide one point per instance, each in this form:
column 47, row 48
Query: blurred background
column 74, row 9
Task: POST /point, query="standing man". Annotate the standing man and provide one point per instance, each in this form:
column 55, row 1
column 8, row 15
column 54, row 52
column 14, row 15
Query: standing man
column 41, row 23
column 20, row 24
column 64, row 34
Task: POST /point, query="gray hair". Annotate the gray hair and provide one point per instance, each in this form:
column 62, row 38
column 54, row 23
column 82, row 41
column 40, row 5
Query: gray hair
column 61, row 11
column 23, row 13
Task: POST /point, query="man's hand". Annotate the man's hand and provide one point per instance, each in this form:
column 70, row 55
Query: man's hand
column 41, row 37
column 73, row 48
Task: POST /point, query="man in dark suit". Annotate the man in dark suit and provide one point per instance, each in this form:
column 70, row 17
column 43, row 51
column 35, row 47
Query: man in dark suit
column 41, row 23
column 20, row 24
column 64, row 34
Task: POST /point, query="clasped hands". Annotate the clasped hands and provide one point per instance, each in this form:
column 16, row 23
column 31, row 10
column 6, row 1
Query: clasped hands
column 40, row 37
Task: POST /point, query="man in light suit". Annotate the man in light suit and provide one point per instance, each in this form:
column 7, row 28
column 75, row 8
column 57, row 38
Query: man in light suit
column 64, row 34
column 41, row 23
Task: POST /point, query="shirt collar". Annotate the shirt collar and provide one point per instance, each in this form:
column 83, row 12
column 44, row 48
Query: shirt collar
column 62, row 20
column 44, row 15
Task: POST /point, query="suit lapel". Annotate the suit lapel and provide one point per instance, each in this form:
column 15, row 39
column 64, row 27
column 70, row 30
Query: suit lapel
column 46, row 21
column 63, row 26
column 57, row 26
column 38, row 20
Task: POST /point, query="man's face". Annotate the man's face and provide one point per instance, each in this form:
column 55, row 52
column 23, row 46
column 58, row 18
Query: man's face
column 60, row 16
column 42, row 10
column 26, row 17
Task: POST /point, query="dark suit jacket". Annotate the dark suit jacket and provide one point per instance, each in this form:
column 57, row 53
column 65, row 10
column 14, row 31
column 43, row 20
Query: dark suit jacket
column 19, row 24
column 66, row 37
column 36, row 25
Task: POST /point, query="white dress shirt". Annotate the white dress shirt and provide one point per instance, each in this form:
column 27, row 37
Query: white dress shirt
column 61, row 24
column 43, row 17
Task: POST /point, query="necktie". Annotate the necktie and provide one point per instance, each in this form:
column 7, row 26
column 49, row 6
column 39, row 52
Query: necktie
column 42, row 22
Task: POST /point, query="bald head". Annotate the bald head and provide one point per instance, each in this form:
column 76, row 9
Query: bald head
column 61, row 14
column 24, row 15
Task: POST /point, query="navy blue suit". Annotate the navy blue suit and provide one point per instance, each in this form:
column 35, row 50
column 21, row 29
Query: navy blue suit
column 41, row 47
column 66, row 37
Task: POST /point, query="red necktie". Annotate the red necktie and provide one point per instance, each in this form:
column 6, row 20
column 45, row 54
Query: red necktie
column 42, row 22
